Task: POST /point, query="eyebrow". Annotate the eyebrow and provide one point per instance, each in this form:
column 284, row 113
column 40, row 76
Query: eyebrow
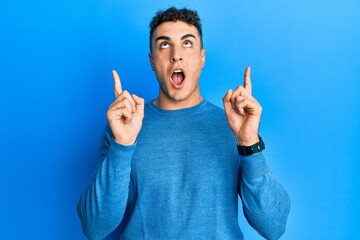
column 187, row 36
column 168, row 38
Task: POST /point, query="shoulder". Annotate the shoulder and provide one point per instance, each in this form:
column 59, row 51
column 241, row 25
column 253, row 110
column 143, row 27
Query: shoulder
column 214, row 113
column 213, row 109
column 214, row 117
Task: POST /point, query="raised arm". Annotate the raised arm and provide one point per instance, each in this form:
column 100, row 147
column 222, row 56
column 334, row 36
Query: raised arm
column 266, row 204
column 103, row 202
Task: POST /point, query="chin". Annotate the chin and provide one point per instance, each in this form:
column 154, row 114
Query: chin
column 178, row 98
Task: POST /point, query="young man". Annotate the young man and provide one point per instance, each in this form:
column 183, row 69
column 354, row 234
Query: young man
column 173, row 168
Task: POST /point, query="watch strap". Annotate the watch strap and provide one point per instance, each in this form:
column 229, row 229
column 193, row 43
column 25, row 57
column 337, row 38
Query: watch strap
column 249, row 150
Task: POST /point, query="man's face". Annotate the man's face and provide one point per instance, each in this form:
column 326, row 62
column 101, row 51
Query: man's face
column 177, row 59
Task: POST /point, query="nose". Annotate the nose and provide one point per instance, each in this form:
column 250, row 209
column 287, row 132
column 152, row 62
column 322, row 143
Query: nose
column 176, row 55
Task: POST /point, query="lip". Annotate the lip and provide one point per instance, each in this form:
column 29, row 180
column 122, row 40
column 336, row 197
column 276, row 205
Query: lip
column 173, row 83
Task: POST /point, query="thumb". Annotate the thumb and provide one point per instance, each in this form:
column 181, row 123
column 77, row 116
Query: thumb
column 139, row 103
column 227, row 101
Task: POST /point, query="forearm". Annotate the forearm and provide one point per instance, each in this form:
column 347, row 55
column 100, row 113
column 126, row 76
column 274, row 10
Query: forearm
column 103, row 203
column 265, row 202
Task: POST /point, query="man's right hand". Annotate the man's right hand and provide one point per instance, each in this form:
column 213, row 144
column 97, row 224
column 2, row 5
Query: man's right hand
column 125, row 114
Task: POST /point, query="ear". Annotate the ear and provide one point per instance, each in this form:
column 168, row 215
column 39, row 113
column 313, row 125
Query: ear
column 151, row 60
column 203, row 56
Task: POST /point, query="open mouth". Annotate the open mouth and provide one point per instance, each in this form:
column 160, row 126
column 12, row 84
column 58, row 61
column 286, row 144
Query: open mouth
column 177, row 78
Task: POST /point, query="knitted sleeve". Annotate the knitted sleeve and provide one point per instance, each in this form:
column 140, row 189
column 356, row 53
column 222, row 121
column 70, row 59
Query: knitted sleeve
column 103, row 202
column 266, row 205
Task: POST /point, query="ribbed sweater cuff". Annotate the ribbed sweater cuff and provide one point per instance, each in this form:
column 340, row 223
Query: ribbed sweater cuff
column 254, row 166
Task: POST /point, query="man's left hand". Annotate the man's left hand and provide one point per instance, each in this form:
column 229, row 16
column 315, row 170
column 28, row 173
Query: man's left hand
column 243, row 112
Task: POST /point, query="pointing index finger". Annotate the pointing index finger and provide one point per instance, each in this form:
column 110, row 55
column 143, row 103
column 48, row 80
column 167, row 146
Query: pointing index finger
column 247, row 80
column 117, row 83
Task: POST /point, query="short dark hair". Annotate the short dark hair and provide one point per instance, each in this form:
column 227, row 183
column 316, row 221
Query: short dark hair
column 173, row 14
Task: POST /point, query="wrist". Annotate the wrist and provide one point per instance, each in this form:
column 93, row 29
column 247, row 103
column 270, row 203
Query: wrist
column 248, row 142
column 128, row 143
column 257, row 147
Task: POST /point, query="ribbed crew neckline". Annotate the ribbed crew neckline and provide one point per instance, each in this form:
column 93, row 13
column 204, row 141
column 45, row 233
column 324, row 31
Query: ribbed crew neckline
column 191, row 110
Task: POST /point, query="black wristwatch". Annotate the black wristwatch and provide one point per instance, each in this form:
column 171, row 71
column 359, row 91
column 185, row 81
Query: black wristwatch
column 257, row 147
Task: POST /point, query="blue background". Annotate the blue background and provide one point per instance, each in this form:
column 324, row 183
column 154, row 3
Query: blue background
column 56, row 85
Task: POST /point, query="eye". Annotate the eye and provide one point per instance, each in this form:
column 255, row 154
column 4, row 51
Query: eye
column 164, row 45
column 187, row 44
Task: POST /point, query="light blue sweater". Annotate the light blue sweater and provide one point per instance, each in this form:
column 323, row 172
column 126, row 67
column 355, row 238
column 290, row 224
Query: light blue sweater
column 181, row 180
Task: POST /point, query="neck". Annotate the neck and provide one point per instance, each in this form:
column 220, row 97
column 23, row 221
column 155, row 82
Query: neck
column 166, row 103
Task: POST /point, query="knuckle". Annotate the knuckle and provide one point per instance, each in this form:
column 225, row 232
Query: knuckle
column 109, row 114
column 126, row 93
column 110, row 108
column 125, row 101
column 240, row 88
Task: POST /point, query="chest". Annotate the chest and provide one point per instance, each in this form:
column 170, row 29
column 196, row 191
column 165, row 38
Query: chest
column 194, row 158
